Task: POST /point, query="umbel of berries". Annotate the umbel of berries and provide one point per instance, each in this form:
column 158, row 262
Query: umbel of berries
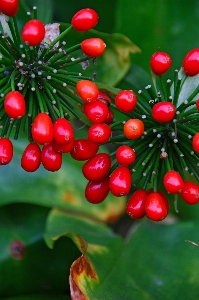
column 37, row 85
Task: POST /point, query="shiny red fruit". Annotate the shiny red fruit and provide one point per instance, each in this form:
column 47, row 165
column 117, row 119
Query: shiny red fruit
column 51, row 159
column 96, row 111
column 97, row 167
column 31, row 158
column 195, row 142
column 197, row 104
column 135, row 207
column 87, row 90
column 14, row 105
column 97, row 191
column 93, row 47
column 125, row 155
column 120, row 181
column 126, row 101
column 63, row 131
column 9, row 7
column 155, row 207
column 84, row 149
column 85, row 19
column 63, row 148
column 163, row 112
column 33, row 32
column 190, row 193
column 42, row 129
column 6, row 151
column 104, row 98
column 173, row 182
column 191, row 62
column 109, row 118
column 133, row 128
column 160, row 63
column 99, row 133
column 164, row 197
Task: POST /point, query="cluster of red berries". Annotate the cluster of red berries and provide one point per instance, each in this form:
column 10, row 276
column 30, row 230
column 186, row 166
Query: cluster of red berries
column 156, row 141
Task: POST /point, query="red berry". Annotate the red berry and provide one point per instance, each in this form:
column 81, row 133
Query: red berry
column 51, row 159
column 160, row 63
column 87, row 90
column 62, row 131
column 173, row 182
column 133, row 128
column 126, row 101
column 6, row 151
column 155, row 207
column 93, row 47
column 125, row 155
column 31, row 158
column 120, row 181
column 42, row 129
column 195, row 142
column 99, row 133
column 190, row 193
column 9, row 7
column 197, row 104
column 109, row 117
column 84, row 149
column 97, row 167
column 85, row 19
column 191, row 62
column 97, row 191
column 136, row 205
column 96, row 111
column 14, row 105
column 104, row 98
column 33, row 32
column 63, row 148
column 163, row 112
column 164, row 197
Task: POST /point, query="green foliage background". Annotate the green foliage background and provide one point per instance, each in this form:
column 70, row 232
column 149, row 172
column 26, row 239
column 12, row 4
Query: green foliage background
column 132, row 260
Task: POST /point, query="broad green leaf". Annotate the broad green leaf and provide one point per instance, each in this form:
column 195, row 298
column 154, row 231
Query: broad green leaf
column 154, row 263
column 112, row 66
column 63, row 189
column 27, row 266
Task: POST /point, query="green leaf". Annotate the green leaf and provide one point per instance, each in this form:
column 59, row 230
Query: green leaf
column 112, row 66
column 154, row 263
column 27, row 266
column 54, row 189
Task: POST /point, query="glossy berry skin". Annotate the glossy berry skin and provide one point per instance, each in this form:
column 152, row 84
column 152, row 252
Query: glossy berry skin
column 133, row 128
column 63, row 148
column 160, row 63
column 9, row 7
column 173, row 182
column 164, row 197
column 97, row 167
column 51, row 159
column 191, row 62
column 126, row 101
column 93, row 47
column 99, row 133
column 31, row 158
column 195, row 142
column 33, row 32
column 87, row 90
column 155, row 207
column 84, row 149
column 197, row 104
column 190, row 193
column 96, row 192
column 135, row 207
column 125, row 155
column 109, row 118
column 163, row 112
column 120, row 181
column 85, row 19
column 6, row 151
column 63, row 131
column 104, row 98
column 96, row 111
column 14, row 105
column 42, row 129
